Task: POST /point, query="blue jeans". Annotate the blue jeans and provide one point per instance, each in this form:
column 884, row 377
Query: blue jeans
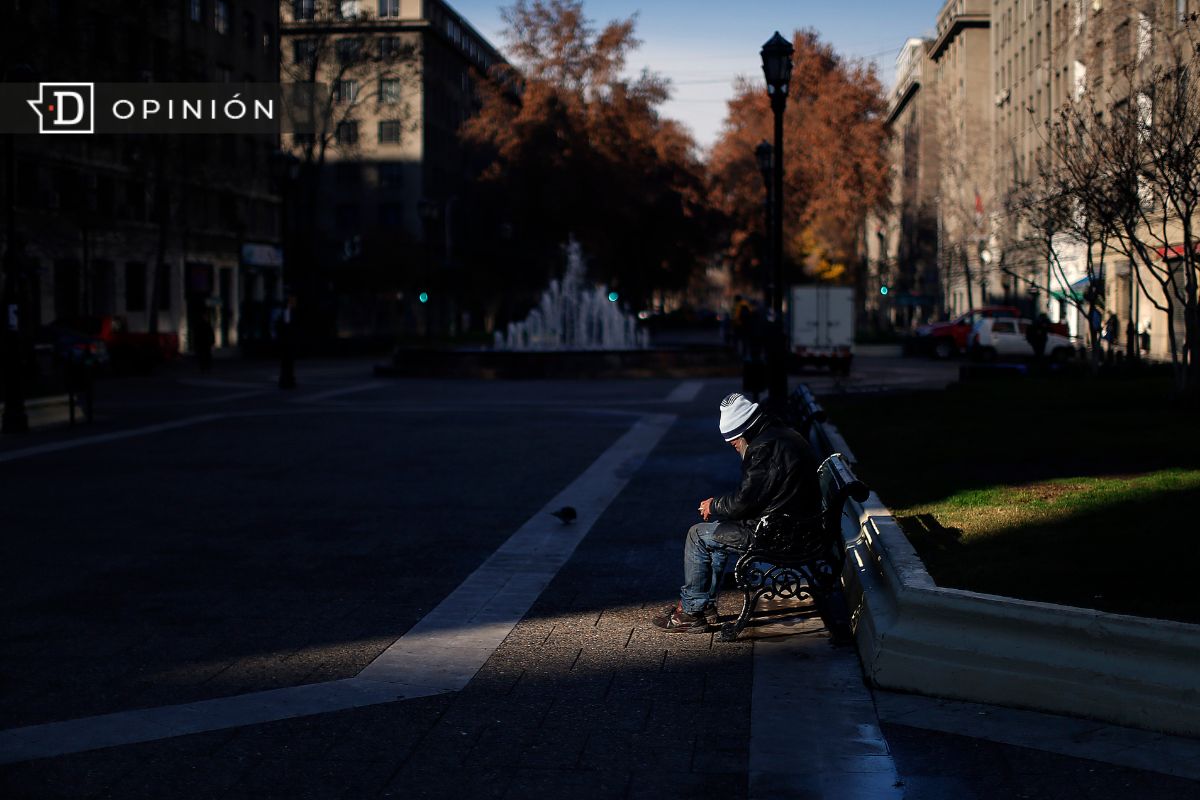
column 704, row 553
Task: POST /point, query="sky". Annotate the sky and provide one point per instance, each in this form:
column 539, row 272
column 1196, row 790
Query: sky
column 703, row 45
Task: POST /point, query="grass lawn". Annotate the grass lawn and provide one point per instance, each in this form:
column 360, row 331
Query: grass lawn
column 1068, row 490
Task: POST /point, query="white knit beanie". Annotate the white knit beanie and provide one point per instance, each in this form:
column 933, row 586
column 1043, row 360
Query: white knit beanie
column 737, row 415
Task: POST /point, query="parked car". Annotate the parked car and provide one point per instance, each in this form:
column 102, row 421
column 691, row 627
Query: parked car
column 72, row 345
column 128, row 350
column 1006, row 337
column 946, row 339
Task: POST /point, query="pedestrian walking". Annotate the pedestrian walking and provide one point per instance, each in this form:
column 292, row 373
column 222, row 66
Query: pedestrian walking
column 1112, row 332
column 1037, row 334
column 779, row 475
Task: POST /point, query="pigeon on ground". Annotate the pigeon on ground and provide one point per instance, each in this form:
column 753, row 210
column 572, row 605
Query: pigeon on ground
column 566, row 515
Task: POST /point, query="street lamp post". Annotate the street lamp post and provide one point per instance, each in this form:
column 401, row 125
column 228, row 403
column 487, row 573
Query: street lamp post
column 15, row 419
column 764, row 155
column 777, row 69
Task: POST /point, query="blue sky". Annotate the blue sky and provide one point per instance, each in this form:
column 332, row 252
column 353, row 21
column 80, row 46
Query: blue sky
column 702, row 45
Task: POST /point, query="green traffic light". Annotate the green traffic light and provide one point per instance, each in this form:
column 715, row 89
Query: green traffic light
column 612, row 297
column 883, row 290
column 423, row 297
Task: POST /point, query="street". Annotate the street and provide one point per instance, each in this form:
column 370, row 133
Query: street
column 178, row 572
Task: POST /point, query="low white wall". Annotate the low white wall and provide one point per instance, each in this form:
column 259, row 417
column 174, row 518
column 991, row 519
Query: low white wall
column 916, row 636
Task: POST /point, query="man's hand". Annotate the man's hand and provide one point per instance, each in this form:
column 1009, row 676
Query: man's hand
column 706, row 508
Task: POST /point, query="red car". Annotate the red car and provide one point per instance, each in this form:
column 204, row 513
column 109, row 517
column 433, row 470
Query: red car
column 945, row 339
column 129, row 350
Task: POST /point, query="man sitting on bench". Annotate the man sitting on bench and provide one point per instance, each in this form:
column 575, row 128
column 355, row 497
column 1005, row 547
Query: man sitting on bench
column 779, row 474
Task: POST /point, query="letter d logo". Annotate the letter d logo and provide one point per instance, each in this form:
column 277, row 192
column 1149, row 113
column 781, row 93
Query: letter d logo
column 65, row 107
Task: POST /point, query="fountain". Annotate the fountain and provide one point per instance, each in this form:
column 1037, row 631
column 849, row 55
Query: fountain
column 575, row 331
column 573, row 315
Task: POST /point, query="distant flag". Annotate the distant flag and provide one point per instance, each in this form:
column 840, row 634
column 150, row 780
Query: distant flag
column 978, row 203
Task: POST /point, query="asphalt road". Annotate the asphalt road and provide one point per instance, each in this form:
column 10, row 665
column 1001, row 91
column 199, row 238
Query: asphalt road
column 211, row 537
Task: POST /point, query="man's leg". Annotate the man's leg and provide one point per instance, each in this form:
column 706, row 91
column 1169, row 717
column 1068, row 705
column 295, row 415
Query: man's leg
column 704, row 553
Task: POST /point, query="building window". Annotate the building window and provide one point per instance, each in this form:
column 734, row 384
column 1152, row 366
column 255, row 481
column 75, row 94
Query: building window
column 347, row 9
column 221, row 17
column 349, row 50
column 345, row 91
column 389, row 91
column 195, row 10
column 304, row 9
column 347, row 132
column 389, row 47
column 1181, row 10
column 389, row 8
column 1145, row 34
column 135, row 286
column 304, row 52
column 389, row 132
column 391, row 215
column 391, row 176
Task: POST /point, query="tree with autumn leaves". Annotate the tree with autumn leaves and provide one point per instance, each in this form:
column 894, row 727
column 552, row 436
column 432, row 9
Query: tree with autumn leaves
column 570, row 145
column 835, row 165
column 573, row 147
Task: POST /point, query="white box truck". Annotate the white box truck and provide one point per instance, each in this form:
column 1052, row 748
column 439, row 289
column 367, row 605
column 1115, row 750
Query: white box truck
column 821, row 326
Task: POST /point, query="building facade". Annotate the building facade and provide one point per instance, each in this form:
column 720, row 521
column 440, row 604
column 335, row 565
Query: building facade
column 999, row 76
column 966, row 200
column 901, row 246
column 164, row 231
column 384, row 160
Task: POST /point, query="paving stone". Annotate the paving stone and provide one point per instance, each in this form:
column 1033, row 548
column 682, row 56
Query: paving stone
column 528, row 783
column 82, row 775
column 656, row 785
column 313, row 780
column 433, row 782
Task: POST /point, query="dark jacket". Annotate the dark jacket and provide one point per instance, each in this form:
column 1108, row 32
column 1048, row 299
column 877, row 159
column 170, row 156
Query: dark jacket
column 779, row 473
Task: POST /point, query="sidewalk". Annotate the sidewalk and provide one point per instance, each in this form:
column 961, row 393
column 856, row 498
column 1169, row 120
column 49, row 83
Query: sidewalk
column 317, row 560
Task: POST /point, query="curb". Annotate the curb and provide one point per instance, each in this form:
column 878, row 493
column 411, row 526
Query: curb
column 915, row 636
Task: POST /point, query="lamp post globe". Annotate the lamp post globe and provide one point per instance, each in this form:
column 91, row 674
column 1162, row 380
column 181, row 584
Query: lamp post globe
column 777, row 67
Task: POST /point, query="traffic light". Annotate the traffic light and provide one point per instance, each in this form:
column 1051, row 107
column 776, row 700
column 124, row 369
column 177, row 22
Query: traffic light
column 884, row 289
column 423, row 297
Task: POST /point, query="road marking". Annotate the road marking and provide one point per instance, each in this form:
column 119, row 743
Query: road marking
column 228, row 398
column 802, row 683
column 152, row 724
column 685, row 392
column 362, row 387
column 214, row 383
column 116, row 436
column 441, row 653
column 452, row 642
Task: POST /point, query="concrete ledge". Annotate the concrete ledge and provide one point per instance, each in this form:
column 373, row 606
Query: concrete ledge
column 918, row 637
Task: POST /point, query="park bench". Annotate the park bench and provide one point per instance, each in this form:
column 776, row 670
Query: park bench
column 792, row 556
